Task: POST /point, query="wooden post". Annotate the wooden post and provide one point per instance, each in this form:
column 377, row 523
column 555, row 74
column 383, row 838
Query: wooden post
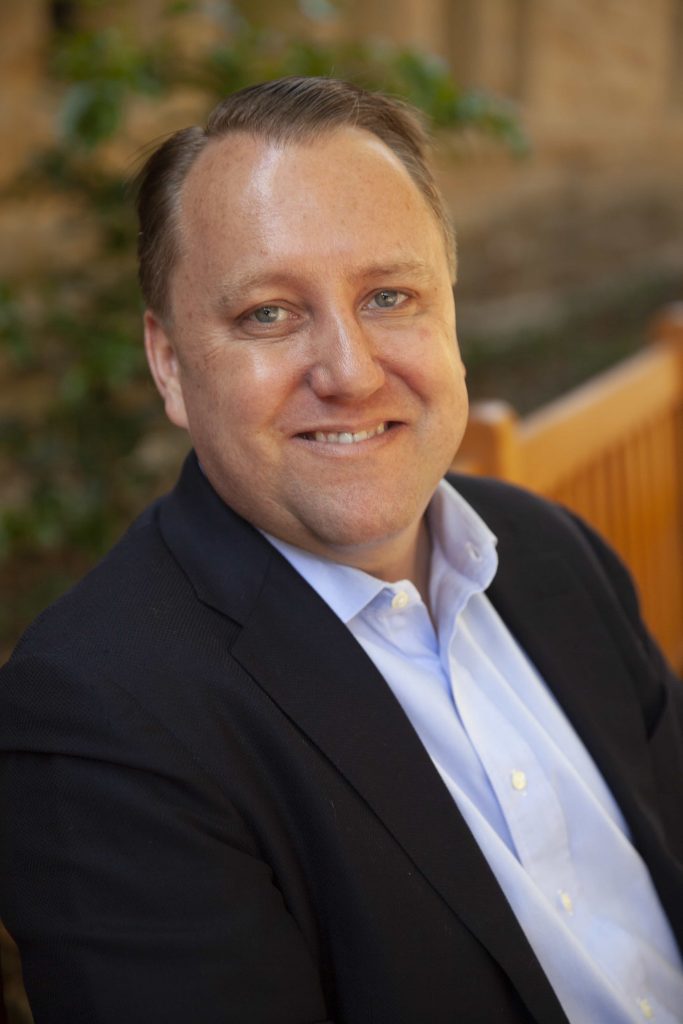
column 490, row 446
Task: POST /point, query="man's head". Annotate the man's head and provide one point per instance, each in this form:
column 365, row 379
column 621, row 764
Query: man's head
column 302, row 326
column 286, row 111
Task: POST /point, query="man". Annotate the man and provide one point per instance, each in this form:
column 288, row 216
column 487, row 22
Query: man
column 305, row 747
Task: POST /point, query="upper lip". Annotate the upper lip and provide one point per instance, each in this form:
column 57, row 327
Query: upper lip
column 345, row 428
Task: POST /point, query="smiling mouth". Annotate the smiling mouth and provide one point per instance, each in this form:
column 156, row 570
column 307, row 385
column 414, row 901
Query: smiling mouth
column 346, row 436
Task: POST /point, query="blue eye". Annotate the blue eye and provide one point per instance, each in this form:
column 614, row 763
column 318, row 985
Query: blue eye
column 386, row 298
column 267, row 314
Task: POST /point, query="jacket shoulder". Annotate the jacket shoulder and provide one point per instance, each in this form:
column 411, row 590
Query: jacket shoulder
column 125, row 579
column 517, row 515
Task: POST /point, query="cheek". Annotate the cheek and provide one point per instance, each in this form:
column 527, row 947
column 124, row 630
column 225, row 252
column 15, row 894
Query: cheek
column 445, row 394
column 436, row 365
column 245, row 387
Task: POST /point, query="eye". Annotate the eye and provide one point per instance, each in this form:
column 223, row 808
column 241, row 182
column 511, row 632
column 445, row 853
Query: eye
column 268, row 314
column 387, row 298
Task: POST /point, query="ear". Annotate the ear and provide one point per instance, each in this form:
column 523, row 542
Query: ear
column 165, row 368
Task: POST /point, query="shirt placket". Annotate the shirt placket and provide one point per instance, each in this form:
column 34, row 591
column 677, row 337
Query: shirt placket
column 527, row 799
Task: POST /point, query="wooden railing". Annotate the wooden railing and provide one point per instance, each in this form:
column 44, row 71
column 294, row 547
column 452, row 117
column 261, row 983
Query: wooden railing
column 611, row 450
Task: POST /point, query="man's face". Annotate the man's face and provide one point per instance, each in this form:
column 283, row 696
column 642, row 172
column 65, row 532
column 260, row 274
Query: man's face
column 311, row 351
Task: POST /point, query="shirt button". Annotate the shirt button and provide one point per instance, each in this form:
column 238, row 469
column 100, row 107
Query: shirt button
column 518, row 780
column 646, row 1009
column 566, row 901
column 399, row 600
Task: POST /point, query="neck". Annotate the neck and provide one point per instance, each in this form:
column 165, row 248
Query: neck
column 423, row 559
column 403, row 561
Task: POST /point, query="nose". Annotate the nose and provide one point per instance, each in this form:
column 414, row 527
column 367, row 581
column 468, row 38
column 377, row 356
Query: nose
column 345, row 363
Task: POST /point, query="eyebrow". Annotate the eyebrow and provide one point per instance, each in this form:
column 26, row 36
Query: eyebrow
column 415, row 268
column 233, row 293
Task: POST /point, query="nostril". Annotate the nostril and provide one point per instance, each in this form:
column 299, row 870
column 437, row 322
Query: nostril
column 346, row 375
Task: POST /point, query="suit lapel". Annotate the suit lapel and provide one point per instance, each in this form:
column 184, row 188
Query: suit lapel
column 304, row 657
column 296, row 649
column 563, row 634
column 559, row 625
column 299, row 652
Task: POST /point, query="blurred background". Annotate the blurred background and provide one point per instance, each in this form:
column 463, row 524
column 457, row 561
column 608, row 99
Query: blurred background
column 559, row 139
column 559, row 145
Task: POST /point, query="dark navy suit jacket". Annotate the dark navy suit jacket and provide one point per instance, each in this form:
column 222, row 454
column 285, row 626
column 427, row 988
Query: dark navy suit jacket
column 213, row 809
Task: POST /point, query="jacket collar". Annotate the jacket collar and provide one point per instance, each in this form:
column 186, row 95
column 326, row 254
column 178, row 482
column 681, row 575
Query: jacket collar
column 535, row 591
column 223, row 556
column 298, row 651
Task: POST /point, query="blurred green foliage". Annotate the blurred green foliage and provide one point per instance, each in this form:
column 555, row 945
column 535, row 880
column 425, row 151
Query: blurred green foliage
column 78, row 467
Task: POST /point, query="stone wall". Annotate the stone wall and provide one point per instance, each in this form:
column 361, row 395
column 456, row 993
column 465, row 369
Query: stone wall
column 598, row 204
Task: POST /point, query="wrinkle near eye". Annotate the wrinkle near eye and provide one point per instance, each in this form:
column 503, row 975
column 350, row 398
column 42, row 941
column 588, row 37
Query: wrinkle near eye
column 210, row 352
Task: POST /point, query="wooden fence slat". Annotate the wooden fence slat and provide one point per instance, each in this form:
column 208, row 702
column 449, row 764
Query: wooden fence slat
column 612, row 450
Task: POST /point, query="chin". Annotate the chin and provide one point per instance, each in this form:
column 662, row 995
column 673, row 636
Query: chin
column 359, row 533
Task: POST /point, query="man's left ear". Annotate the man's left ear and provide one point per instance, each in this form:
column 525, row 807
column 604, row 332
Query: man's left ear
column 165, row 369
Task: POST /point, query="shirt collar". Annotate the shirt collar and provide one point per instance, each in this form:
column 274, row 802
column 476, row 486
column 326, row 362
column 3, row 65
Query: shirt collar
column 461, row 543
column 345, row 589
column 461, row 540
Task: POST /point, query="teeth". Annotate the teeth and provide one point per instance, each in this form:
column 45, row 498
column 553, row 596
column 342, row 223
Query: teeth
column 346, row 437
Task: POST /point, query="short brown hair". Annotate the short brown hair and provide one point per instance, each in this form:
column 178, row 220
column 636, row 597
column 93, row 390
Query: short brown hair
column 285, row 110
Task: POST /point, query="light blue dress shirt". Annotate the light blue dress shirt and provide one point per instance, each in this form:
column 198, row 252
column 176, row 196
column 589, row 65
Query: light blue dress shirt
column 529, row 791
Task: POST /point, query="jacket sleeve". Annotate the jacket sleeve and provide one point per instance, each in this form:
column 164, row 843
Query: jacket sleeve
column 132, row 887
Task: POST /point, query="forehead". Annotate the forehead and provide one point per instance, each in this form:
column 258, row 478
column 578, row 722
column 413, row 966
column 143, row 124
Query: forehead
column 250, row 200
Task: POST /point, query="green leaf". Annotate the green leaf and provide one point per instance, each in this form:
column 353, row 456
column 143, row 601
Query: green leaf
column 92, row 112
